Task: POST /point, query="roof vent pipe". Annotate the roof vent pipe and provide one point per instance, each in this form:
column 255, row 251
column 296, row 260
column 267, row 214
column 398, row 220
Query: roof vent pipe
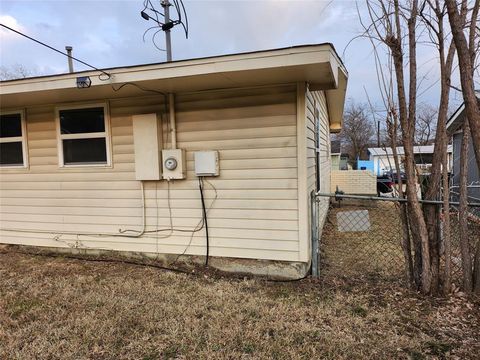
column 70, row 61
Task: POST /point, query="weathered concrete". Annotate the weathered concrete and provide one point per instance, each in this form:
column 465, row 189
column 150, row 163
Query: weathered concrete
column 281, row 270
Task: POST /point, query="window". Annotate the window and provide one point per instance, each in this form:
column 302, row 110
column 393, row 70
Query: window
column 83, row 134
column 13, row 143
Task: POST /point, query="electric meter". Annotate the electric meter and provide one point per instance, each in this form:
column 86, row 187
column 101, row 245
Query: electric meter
column 174, row 164
column 171, row 163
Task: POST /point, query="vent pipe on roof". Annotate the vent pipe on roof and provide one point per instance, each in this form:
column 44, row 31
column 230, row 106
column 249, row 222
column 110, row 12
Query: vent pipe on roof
column 70, row 61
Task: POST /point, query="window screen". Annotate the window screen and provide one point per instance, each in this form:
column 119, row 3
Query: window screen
column 11, row 140
column 83, row 136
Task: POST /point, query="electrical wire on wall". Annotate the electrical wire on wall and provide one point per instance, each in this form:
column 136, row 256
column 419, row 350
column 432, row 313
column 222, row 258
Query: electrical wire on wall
column 201, row 223
column 205, row 221
column 143, row 233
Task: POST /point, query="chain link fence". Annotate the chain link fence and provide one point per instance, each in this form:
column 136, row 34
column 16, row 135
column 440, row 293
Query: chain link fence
column 362, row 238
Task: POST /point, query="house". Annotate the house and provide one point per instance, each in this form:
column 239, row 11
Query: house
column 335, row 154
column 339, row 160
column 131, row 159
column 383, row 160
column 455, row 130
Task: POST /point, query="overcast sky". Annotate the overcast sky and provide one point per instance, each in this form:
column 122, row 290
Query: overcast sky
column 109, row 33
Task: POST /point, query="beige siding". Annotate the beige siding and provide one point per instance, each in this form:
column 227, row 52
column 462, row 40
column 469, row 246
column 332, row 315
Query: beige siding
column 316, row 99
column 311, row 137
column 254, row 216
column 318, row 140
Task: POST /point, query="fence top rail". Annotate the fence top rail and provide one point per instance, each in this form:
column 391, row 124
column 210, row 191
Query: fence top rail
column 338, row 196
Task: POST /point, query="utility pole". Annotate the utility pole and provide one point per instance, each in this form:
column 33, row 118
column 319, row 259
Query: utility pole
column 378, row 133
column 166, row 7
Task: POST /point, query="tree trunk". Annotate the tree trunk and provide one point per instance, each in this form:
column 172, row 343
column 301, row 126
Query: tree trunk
column 465, row 64
column 407, row 122
column 446, row 227
column 476, row 273
column 406, row 246
column 463, row 212
column 439, row 162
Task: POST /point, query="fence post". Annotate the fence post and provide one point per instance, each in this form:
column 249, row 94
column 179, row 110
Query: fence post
column 314, row 229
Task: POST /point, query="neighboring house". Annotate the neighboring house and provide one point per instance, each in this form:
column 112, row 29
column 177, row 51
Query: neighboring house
column 116, row 166
column 335, row 154
column 365, row 165
column 383, row 160
column 455, row 129
column 339, row 160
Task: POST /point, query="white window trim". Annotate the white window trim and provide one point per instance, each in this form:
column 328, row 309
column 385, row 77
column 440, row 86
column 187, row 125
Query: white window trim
column 105, row 134
column 22, row 138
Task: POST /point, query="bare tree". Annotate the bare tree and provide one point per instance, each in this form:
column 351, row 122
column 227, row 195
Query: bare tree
column 395, row 26
column 464, row 25
column 425, row 127
column 16, row 71
column 390, row 25
column 467, row 48
column 463, row 211
column 433, row 15
column 358, row 130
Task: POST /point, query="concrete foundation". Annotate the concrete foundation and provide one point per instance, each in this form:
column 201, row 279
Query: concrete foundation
column 279, row 270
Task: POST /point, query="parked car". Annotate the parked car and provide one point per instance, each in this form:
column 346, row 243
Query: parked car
column 393, row 175
column 384, row 185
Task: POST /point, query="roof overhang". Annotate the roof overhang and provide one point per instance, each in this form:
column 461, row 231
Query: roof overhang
column 317, row 65
column 456, row 120
column 455, row 123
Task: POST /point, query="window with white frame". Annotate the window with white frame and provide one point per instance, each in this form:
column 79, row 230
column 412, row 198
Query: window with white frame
column 83, row 135
column 13, row 142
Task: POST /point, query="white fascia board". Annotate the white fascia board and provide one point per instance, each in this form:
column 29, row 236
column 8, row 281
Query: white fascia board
column 301, row 56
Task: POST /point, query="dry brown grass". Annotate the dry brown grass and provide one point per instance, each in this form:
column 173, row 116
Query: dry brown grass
column 60, row 308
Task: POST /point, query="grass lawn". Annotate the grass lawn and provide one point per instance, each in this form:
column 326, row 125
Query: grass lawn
column 62, row 308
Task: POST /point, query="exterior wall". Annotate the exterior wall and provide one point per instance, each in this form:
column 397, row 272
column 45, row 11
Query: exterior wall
column 356, row 182
column 335, row 158
column 256, row 214
column 382, row 163
column 316, row 99
column 473, row 176
column 366, row 165
column 318, row 141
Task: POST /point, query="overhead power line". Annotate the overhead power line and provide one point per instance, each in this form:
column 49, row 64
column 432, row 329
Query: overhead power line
column 58, row 51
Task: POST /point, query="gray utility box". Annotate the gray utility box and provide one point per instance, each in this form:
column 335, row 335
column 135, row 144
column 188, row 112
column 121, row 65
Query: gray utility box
column 206, row 163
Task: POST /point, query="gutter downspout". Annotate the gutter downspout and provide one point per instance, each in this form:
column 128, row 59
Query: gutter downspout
column 173, row 128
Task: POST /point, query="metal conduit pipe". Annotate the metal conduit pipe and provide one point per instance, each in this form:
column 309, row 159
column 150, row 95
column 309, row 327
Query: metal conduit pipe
column 173, row 127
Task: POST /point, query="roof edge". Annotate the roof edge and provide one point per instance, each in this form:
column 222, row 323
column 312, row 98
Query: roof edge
column 174, row 62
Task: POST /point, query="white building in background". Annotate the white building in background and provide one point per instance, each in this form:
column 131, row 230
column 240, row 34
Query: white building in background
column 383, row 160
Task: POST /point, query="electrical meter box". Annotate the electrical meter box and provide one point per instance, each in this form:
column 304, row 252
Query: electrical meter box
column 174, row 164
column 147, row 144
column 206, row 163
